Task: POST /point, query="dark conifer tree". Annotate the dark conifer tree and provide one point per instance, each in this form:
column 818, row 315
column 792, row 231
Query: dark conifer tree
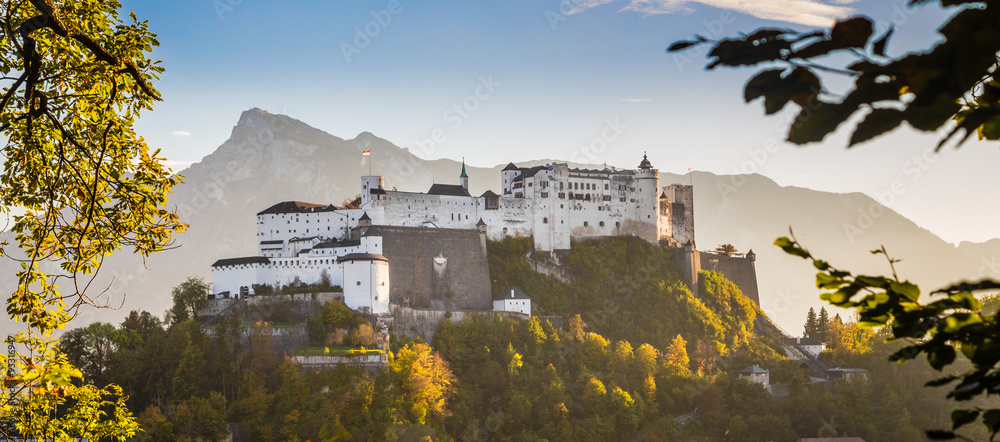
column 810, row 328
column 823, row 325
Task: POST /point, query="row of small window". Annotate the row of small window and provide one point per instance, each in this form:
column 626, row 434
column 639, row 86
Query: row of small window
column 580, row 196
column 585, row 223
column 310, row 262
column 292, row 231
column 579, row 186
column 424, row 201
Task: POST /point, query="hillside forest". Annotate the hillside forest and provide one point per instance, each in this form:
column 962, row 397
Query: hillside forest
column 639, row 355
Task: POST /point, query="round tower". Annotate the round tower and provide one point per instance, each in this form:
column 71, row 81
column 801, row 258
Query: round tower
column 366, row 282
column 647, row 196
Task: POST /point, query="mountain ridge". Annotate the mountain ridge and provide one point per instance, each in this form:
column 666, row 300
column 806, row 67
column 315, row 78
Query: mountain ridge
column 271, row 158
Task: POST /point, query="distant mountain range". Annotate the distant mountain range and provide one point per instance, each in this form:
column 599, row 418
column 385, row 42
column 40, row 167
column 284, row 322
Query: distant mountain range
column 271, row 158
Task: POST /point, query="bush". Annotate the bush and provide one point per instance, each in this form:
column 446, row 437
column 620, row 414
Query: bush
column 337, row 314
column 363, row 336
column 336, row 337
column 331, row 323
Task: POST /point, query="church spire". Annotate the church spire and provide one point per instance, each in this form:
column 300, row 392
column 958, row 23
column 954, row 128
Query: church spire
column 464, row 177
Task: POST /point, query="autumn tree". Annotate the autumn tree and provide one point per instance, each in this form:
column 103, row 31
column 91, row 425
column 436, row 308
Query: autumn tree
column 424, row 380
column 676, row 357
column 78, row 184
column 352, row 203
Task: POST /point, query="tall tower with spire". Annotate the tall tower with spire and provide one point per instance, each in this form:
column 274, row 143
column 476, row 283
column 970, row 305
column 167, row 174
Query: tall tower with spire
column 463, row 179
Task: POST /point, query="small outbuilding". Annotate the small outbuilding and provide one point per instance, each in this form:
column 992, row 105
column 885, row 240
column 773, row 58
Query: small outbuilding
column 811, row 345
column 757, row 375
column 512, row 300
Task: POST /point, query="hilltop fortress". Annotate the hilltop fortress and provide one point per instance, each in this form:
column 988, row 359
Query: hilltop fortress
column 435, row 242
column 550, row 203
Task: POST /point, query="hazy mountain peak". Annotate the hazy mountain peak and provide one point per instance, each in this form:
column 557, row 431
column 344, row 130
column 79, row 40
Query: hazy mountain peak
column 255, row 118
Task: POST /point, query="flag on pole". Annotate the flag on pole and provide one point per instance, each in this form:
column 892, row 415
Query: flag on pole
column 366, row 153
column 689, row 169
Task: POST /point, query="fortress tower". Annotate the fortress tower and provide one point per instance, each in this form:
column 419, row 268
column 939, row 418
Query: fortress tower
column 366, row 276
column 368, row 185
column 646, row 220
column 463, row 179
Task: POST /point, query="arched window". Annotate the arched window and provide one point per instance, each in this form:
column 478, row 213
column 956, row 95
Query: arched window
column 545, row 220
column 585, row 224
column 602, row 223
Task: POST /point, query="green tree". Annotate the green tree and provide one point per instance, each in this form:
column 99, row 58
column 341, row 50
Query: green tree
column 143, row 323
column 200, row 419
column 91, row 349
column 953, row 81
column 325, row 283
column 84, row 183
column 189, row 297
column 77, row 181
column 811, row 327
column 726, row 249
column 823, row 325
column 156, row 426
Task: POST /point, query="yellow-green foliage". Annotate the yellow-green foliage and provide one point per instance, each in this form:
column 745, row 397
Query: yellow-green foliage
column 537, row 380
column 617, row 283
column 335, row 315
column 424, row 380
column 737, row 312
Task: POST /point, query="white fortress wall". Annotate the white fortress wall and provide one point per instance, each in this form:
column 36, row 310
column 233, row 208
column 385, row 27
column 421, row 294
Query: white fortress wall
column 229, row 278
column 552, row 204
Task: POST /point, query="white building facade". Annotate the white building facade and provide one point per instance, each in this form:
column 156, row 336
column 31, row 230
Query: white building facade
column 551, row 203
column 812, row 346
column 554, row 204
column 512, row 300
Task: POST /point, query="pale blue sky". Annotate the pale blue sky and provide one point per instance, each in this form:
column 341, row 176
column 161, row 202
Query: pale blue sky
column 556, row 78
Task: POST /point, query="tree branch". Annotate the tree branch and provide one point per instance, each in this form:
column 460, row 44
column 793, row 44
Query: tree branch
column 51, row 19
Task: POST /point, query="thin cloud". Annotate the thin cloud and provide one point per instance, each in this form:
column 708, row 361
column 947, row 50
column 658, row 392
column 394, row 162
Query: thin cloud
column 177, row 164
column 637, row 100
column 180, row 133
column 803, row 12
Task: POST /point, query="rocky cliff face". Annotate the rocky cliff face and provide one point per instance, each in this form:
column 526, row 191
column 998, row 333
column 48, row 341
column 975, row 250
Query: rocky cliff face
column 271, row 158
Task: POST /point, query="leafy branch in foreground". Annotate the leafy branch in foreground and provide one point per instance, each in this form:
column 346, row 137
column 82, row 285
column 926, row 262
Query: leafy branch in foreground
column 78, row 184
column 939, row 329
column 956, row 80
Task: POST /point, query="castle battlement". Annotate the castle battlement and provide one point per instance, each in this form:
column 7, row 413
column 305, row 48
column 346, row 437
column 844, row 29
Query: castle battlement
column 553, row 204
